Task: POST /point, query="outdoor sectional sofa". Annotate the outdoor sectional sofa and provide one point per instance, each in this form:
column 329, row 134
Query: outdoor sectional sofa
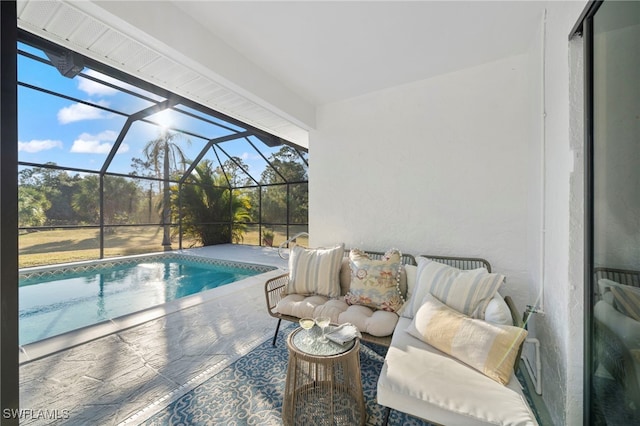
column 437, row 385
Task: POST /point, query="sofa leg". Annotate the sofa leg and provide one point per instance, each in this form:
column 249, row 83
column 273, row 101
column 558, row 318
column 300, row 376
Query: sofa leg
column 385, row 420
column 275, row 335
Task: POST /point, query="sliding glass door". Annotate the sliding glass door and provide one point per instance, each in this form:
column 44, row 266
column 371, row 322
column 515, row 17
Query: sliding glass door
column 613, row 94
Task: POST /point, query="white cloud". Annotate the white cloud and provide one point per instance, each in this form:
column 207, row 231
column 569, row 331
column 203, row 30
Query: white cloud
column 78, row 112
column 36, row 145
column 91, row 87
column 97, row 144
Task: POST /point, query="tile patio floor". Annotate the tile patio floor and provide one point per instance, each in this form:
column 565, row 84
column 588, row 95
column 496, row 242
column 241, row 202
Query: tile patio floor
column 121, row 377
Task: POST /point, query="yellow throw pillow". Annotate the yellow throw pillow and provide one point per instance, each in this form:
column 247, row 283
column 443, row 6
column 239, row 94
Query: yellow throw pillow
column 489, row 348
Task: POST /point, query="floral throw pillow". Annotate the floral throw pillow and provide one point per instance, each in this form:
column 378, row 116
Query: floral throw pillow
column 375, row 283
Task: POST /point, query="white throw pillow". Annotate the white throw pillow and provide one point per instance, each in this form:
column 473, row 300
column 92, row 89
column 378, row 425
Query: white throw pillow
column 315, row 271
column 498, row 312
column 412, row 275
column 467, row 291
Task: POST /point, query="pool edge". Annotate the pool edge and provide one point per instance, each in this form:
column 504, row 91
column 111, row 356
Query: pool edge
column 55, row 344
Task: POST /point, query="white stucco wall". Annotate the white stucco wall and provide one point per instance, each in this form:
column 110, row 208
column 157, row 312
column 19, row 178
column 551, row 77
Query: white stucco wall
column 437, row 166
column 453, row 165
column 560, row 327
column 535, row 182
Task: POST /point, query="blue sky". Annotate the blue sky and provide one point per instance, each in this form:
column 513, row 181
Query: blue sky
column 73, row 134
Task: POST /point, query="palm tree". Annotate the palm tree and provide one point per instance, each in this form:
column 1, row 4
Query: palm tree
column 208, row 200
column 164, row 151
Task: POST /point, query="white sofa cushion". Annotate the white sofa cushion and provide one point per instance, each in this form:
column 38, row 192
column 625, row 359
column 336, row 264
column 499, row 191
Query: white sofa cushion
column 420, row 380
column 367, row 320
column 298, row 305
column 375, row 322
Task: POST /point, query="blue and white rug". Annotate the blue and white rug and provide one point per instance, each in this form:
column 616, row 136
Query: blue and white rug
column 250, row 391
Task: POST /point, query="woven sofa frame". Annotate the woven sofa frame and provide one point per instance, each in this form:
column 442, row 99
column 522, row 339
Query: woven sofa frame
column 274, row 289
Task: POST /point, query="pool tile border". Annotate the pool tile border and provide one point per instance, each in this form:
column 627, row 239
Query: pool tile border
column 47, row 271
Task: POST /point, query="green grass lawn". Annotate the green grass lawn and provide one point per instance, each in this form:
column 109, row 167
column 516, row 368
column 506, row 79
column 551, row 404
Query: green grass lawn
column 71, row 245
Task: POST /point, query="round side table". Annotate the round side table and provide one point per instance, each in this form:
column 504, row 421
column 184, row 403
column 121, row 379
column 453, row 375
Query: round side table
column 323, row 385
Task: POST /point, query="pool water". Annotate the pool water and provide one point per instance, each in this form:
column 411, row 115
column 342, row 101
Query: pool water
column 61, row 301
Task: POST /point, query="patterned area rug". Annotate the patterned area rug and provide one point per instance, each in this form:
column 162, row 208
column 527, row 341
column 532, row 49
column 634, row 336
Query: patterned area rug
column 250, row 391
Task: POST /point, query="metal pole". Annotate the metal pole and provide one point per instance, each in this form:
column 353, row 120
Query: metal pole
column 9, row 385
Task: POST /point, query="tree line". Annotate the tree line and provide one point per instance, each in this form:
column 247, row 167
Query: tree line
column 210, row 198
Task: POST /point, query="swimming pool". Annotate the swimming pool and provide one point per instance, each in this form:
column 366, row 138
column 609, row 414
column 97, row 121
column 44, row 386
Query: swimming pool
column 58, row 300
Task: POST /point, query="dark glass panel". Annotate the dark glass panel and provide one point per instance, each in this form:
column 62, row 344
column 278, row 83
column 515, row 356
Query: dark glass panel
column 274, row 204
column 55, row 197
column 299, row 203
column 616, row 209
column 296, row 229
column 251, row 236
column 131, row 201
column 130, row 240
column 254, row 163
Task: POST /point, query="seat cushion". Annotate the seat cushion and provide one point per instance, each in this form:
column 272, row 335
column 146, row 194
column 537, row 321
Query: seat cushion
column 367, row 320
column 374, row 322
column 420, row 380
column 297, row 305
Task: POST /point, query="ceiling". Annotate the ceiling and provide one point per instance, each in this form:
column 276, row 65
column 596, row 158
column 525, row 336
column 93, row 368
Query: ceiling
column 327, row 51
column 271, row 64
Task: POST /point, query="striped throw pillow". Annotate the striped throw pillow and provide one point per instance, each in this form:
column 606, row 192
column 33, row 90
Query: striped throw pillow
column 627, row 300
column 315, row 271
column 489, row 348
column 466, row 291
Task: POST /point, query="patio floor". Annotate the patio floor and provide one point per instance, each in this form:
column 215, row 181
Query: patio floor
column 123, row 377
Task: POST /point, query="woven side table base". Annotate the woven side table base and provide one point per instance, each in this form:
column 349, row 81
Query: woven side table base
column 323, row 389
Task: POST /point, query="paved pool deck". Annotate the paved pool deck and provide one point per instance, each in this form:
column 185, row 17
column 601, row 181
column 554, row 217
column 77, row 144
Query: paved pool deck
column 126, row 376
